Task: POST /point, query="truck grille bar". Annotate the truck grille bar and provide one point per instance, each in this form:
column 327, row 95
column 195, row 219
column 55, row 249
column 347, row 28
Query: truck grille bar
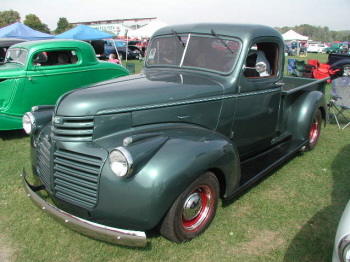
column 73, row 128
column 76, row 177
column 43, row 160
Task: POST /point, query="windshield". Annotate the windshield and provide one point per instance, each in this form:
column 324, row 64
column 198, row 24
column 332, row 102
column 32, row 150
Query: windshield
column 17, row 55
column 203, row 52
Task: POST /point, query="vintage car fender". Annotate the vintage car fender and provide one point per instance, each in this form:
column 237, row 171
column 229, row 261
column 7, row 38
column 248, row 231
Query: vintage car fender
column 303, row 111
column 169, row 163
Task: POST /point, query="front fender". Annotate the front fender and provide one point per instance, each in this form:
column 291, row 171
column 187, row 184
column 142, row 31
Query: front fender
column 302, row 113
column 141, row 201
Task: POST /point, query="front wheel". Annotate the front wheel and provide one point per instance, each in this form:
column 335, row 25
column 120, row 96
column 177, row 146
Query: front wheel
column 315, row 131
column 193, row 211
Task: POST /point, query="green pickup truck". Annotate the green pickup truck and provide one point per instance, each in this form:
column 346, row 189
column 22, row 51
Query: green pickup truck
column 210, row 114
column 39, row 72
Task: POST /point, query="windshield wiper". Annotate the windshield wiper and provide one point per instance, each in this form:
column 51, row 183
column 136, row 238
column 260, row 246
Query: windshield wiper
column 177, row 35
column 222, row 41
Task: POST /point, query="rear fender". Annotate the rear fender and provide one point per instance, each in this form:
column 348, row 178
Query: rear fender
column 303, row 111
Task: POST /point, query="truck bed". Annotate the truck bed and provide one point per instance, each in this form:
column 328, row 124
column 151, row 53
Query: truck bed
column 293, row 84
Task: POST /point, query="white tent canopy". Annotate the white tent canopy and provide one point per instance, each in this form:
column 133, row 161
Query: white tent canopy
column 148, row 30
column 292, row 35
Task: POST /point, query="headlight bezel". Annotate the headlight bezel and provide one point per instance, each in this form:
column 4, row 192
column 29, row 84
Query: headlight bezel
column 29, row 123
column 121, row 162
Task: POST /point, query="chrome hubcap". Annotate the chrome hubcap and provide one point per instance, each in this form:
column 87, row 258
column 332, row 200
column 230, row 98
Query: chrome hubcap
column 197, row 208
column 192, row 206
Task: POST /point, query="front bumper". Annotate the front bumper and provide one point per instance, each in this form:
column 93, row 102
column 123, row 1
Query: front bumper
column 85, row 227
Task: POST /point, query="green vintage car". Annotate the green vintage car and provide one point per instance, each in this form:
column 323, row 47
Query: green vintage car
column 210, row 114
column 39, row 72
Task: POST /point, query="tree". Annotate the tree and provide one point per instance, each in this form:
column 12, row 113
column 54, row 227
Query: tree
column 63, row 25
column 9, row 17
column 35, row 23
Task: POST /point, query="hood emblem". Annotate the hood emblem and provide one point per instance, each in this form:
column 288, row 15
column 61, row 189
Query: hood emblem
column 57, row 120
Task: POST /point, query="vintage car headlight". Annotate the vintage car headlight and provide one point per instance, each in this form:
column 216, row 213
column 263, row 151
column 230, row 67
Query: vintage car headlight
column 344, row 249
column 28, row 123
column 121, row 162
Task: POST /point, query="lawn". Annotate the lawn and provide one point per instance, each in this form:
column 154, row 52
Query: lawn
column 289, row 216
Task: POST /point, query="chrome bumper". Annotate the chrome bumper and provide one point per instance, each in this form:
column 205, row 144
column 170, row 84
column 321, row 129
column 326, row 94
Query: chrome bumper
column 85, row 227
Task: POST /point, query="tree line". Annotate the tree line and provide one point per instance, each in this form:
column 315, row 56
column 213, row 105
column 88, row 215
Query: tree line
column 9, row 17
column 316, row 33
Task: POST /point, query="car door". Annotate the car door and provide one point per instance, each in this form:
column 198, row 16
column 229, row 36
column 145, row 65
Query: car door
column 258, row 101
column 50, row 77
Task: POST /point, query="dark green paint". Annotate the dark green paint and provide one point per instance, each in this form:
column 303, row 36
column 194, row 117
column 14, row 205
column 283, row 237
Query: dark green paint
column 183, row 122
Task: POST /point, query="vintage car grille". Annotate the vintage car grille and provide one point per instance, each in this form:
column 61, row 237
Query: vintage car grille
column 43, row 160
column 76, row 177
column 73, row 128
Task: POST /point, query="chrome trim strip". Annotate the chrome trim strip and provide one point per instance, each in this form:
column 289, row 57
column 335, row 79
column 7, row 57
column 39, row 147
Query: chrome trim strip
column 85, row 227
column 199, row 100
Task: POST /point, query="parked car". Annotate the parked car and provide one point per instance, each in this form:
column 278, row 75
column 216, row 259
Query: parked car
column 211, row 114
column 5, row 43
column 341, row 250
column 316, row 48
column 124, row 48
column 39, row 72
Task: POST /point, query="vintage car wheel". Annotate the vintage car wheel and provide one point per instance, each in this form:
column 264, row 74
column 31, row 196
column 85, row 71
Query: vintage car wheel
column 193, row 211
column 315, row 131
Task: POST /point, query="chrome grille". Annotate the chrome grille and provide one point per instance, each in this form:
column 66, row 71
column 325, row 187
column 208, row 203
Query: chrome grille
column 72, row 128
column 76, row 177
column 43, row 159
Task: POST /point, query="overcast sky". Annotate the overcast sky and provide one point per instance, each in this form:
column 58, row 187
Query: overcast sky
column 332, row 13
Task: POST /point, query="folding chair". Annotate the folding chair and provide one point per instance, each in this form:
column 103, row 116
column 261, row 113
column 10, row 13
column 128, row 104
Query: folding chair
column 322, row 71
column 340, row 100
column 130, row 67
column 314, row 62
column 291, row 65
column 299, row 67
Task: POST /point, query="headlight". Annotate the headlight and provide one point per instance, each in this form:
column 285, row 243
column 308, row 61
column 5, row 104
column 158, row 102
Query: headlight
column 121, row 162
column 28, row 123
column 344, row 249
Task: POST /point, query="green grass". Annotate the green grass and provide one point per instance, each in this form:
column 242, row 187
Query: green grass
column 289, row 216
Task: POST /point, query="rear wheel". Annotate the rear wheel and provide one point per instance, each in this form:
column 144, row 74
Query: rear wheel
column 193, row 211
column 315, row 131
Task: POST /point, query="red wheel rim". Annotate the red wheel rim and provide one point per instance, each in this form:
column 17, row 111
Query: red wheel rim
column 197, row 208
column 315, row 130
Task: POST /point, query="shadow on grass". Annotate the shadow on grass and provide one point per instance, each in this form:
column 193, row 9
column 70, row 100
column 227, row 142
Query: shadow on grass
column 314, row 241
column 12, row 134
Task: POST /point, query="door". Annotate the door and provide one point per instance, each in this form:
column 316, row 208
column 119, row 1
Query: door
column 258, row 101
column 51, row 77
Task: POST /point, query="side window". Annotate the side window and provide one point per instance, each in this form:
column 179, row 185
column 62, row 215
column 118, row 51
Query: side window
column 50, row 58
column 262, row 60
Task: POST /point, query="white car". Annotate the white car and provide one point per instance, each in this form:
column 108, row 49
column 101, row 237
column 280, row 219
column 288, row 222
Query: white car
column 316, row 48
column 341, row 251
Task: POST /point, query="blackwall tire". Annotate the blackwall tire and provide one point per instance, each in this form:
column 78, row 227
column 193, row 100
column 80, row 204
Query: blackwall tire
column 193, row 211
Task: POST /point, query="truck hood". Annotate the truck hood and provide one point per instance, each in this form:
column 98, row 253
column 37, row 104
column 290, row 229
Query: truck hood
column 140, row 92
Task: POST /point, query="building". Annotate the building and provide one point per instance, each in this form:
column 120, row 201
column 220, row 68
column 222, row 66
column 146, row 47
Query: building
column 119, row 27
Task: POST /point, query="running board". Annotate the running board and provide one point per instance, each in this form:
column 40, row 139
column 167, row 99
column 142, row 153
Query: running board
column 257, row 166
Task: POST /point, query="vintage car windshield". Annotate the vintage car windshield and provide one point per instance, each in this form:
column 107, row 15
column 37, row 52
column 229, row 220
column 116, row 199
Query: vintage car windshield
column 194, row 51
column 16, row 55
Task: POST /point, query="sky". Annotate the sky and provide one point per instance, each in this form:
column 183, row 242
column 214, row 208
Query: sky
column 276, row 13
